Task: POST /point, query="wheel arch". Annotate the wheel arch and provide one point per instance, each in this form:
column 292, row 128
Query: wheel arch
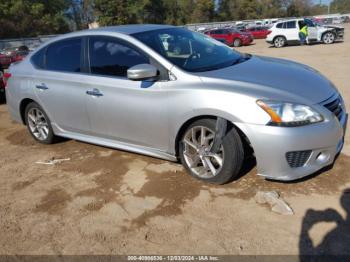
column 22, row 108
column 331, row 30
column 274, row 38
column 188, row 122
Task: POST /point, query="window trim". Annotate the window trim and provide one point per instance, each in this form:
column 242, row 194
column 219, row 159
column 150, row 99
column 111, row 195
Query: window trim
column 44, row 59
column 163, row 72
column 81, row 55
column 293, row 21
column 282, row 25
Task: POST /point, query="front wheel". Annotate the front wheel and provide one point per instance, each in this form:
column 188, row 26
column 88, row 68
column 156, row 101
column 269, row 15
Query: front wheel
column 237, row 42
column 214, row 167
column 328, row 38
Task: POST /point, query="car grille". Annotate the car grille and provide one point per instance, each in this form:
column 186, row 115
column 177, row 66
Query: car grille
column 335, row 107
column 297, row 158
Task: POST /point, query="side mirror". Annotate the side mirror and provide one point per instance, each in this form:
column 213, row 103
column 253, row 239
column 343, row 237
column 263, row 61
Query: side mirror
column 142, row 72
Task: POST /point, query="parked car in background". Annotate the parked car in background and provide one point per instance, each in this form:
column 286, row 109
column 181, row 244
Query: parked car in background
column 2, row 85
column 287, row 32
column 12, row 55
column 193, row 99
column 230, row 36
column 258, row 32
column 5, row 61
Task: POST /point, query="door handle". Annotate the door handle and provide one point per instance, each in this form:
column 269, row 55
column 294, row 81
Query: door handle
column 94, row 92
column 42, row 87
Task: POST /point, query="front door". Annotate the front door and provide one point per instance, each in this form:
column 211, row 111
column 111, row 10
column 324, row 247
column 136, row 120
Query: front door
column 120, row 109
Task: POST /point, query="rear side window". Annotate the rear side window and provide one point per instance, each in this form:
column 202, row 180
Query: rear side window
column 64, row 55
column 290, row 24
column 38, row 59
column 280, row 25
column 111, row 57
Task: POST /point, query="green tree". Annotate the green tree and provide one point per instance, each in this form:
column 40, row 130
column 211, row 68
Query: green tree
column 319, row 9
column 272, row 8
column 112, row 12
column 81, row 13
column 173, row 12
column 24, row 18
column 153, row 11
column 227, row 10
column 204, row 11
column 340, row 6
column 299, row 8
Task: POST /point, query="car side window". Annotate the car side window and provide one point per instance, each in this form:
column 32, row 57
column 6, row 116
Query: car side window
column 111, row 57
column 290, row 24
column 280, row 25
column 38, row 59
column 64, row 55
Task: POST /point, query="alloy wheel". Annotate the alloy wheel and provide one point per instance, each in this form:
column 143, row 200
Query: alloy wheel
column 237, row 43
column 328, row 38
column 38, row 124
column 197, row 152
column 279, row 42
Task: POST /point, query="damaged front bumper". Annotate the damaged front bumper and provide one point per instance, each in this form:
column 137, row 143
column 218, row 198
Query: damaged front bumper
column 292, row 153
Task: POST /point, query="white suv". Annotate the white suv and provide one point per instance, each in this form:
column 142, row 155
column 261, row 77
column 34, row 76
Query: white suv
column 287, row 32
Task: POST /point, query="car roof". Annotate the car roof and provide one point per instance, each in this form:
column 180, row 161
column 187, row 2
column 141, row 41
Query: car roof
column 290, row 20
column 131, row 29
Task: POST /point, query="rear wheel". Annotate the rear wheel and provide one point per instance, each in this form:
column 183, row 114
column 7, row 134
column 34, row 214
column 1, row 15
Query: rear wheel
column 328, row 38
column 279, row 41
column 39, row 124
column 214, row 167
column 237, row 42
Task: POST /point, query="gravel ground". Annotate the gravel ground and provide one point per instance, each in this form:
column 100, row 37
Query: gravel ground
column 104, row 201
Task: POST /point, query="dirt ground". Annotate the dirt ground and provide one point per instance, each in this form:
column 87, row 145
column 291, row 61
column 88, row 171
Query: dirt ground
column 105, row 201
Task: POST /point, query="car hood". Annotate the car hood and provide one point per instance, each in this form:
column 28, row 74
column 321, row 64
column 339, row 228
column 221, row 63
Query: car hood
column 274, row 78
column 333, row 26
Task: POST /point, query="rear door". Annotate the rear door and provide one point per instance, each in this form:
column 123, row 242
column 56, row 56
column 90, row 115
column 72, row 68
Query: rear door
column 291, row 30
column 59, row 84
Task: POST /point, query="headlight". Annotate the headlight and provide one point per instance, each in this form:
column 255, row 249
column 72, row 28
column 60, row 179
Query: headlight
column 289, row 114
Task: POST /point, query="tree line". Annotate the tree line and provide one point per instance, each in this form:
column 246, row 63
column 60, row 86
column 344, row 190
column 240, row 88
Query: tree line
column 24, row 18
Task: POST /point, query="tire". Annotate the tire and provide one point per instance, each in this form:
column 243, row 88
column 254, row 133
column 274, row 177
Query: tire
column 279, row 41
column 38, row 124
column 231, row 153
column 328, row 38
column 237, row 42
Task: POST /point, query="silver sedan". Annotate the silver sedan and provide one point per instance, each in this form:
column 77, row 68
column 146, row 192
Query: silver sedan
column 171, row 93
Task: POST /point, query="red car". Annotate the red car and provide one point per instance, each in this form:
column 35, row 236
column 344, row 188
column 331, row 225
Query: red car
column 258, row 32
column 5, row 61
column 231, row 36
column 2, row 88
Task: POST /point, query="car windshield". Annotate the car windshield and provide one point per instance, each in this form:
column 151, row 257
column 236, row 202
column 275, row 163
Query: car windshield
column 189, row 50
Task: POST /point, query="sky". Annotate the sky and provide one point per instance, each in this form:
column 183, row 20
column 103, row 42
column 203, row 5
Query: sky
column 325, row 2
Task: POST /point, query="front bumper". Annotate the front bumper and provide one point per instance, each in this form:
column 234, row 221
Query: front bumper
column 271, row 145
